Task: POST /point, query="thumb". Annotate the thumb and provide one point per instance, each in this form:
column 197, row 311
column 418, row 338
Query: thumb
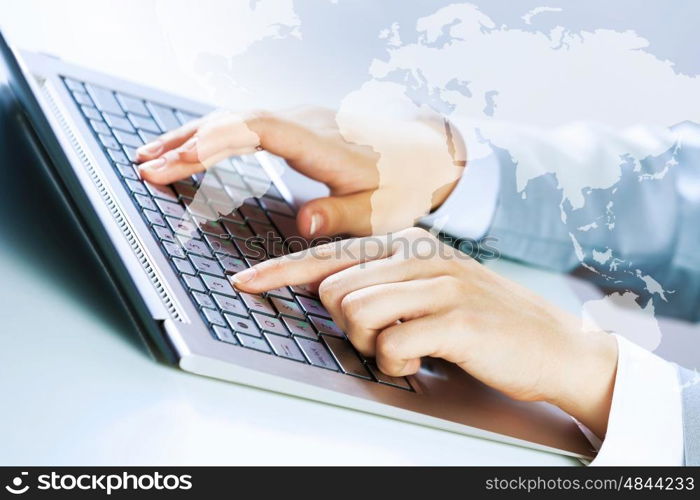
column 349, row 214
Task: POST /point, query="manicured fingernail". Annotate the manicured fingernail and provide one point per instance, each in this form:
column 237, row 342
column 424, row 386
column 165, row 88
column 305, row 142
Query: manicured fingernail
column 190, row 144
column 244, row 276
column 152, row 148
column 152, row 165
column 315, row 225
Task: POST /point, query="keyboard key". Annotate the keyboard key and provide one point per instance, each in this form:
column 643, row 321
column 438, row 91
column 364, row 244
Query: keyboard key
column 231, row 264
column 231, row 305
column 212, row 227
column 143, row 123
column 154, row 217
column 132, row 104
column 127, row 172
column 231, row 179
column 148, row 136
column 171, row 209
column 109, row 142
column 305, row 290
column 225, row 334
column 182, row 226
column 250, row 169
column 263, row 230
column 212, row 185
column 164, row 116
column 220, row 245
column 193, row 282
column 253, row 213
column 285, row 347
column 346, row 357
column 100, row 127
column 258, row 187
column 214, row 317
column 195, row 246
column 164, row 234
column 300, row 327
column 128, row 139
column 118, row 122
column 237, row 230
column 118, row 157
column 173, row 249
column 219, row 285
column 91, row 112
column 276, row 206
column 316, row 353
column 257, row 303
column 282, row 292
column 82, row 98
column 239, row 195
column 130, row 153
column 184, row 190
column 251, row 248
column 272, row 191
column 254, row 343
column 159, row 191
column 136, row 187
column 74, row 84
column 326, row 326
column 204, row 265
column 287, row 308
column 243, row 325
column 104, row 99
column 184, row 116
column 185, row 267
column 203, row 299
column 388, row 379
column 145, row 202
column 199, row 209
column 313, row 306
column 269, row 324
column 287, row 226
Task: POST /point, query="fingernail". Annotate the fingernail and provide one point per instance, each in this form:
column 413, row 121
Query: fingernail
column 156, row 164
column 190, row 144
column 244, row 276
column 315, row 225
column 151, row 148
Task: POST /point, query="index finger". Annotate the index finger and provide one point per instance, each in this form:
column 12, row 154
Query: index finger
column 167, row 141
column 313, row 264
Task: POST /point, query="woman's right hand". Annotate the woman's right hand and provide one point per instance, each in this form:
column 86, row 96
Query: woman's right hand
column 383, row 174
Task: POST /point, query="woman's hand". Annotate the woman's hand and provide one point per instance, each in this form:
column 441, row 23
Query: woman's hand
column 383, row 174
column 406, row 295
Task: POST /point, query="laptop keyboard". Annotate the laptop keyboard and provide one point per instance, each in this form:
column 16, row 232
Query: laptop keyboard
column 218, row 223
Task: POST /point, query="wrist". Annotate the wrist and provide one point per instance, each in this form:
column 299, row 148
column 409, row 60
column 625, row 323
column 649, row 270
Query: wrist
column 584, row 384
column 441, row 194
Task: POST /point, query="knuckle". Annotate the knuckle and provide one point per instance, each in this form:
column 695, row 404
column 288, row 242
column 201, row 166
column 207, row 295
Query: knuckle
column 351, row 306
column 387, row 346
column 329, row 289
column 449, row 283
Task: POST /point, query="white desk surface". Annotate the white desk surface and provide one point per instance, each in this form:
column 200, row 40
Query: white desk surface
column 80, row 388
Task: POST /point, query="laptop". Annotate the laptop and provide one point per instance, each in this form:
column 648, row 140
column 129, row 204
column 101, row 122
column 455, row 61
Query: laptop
column 169, row 250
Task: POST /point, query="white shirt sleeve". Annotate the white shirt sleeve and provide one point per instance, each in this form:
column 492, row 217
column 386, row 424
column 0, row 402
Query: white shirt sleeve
column 645, row 426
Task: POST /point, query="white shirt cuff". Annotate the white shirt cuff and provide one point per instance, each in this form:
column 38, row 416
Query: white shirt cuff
column 468, row 210
column 645, row 426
